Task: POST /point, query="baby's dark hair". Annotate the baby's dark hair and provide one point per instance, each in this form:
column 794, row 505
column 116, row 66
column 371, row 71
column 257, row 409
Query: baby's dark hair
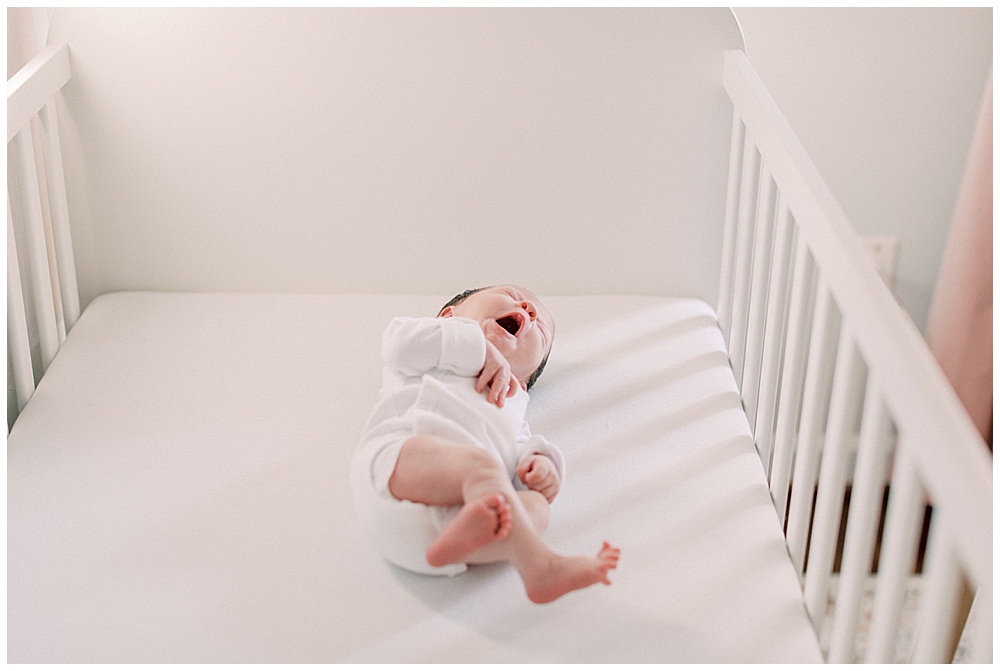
column 468, row 292
column 459, row 298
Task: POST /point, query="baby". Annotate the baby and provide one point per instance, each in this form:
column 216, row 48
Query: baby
column 447, row 473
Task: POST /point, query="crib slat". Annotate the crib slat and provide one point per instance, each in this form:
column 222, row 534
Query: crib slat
column 26, row 207
column 59, row 211
column 50, row 246
column 729, row 233
column 848, row 384
column 792, row 377
column 939, row 599
column 874, row 448
column 761, row 273
column 744, row 259
column 953, row 460
column 17, row 324
column 899, row 544
column 815, row 399
column 774, row 335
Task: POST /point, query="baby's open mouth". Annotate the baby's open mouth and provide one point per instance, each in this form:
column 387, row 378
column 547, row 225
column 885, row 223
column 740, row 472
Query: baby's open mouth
column 511, row 324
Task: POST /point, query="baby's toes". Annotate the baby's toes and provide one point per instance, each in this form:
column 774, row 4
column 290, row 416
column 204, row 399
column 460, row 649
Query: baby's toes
column 505, row 519
column 609, row 556
column 607, row 549
column 501, row 509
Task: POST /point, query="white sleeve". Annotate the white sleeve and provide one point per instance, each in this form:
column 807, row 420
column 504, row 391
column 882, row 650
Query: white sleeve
column 414, row 346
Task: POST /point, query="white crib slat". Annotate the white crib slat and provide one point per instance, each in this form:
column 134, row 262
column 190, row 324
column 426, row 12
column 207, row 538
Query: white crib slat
column 874, row 449
column 792, row 377
column 848, row 384
column 774, row 335
column 815, row 398
column 59, row 210
column 899, row 544
column 940, row 591
column 26, row 207
column 17, row 324
column 953, row 461
column 744, row 258
column 764, row 234
column 50, row 246
column 729, row 233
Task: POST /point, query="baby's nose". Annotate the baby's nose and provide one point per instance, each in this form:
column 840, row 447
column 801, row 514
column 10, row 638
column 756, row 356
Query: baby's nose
column 529, row 307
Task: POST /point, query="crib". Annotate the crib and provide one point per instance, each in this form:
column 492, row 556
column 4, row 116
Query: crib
column 213, row 213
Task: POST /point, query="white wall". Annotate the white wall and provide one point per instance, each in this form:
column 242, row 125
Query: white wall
column 396, row 151
column 27, row 29
column 884, row 101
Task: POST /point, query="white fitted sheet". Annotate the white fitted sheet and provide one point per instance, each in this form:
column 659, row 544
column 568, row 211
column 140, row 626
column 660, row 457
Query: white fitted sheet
column 178, row 492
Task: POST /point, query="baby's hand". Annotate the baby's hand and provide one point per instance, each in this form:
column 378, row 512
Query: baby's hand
column 496, row 376
column 539, row 473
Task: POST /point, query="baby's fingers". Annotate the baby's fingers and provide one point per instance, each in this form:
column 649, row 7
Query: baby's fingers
column 522, row 471
column 484, row 379
column 526, row 471
column 514, row 384
column 489, row 378
column 498, row 387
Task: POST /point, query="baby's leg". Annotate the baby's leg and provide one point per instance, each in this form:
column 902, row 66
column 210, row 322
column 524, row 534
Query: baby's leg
column 476, row 526
column 441, row 473
column 494, row 550
column 538, row 513
column 438, row 472
column 537, row 507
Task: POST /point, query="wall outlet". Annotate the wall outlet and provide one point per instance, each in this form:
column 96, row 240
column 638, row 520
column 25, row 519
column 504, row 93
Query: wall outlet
column 884, row 250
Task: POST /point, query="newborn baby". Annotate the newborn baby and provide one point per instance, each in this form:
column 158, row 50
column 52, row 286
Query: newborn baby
column 447, row 473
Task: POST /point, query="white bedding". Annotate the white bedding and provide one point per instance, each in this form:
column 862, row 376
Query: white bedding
column 177, row 491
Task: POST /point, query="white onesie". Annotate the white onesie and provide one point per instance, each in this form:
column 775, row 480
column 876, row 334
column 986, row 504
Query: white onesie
column 429, row 387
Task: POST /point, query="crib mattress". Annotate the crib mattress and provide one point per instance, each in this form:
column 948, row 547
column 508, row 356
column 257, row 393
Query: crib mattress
column 178, row 492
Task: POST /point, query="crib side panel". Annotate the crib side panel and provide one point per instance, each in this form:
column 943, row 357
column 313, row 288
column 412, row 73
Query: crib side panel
column 42, row 297
column 868, row 437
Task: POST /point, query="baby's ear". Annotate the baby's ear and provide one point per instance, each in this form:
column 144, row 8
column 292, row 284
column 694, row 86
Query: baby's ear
column 447, row 312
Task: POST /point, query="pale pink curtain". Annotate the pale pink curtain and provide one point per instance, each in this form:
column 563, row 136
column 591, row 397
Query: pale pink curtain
column 960, row 323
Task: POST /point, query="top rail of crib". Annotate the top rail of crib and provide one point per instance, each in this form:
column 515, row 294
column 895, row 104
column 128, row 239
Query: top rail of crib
column 950, row 456
column 34, row 85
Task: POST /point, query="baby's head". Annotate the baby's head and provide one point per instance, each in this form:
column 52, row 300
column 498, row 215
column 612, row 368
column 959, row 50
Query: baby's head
column 514, row 320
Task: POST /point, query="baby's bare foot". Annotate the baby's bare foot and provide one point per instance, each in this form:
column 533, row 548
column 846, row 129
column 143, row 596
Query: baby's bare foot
column 565, row 574
column 478, row 523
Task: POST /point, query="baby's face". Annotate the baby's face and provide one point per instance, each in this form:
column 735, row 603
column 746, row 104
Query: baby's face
column 515, row 321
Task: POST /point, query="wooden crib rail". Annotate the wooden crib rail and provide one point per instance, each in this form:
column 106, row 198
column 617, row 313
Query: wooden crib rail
column 42, row 298
column 841, row 391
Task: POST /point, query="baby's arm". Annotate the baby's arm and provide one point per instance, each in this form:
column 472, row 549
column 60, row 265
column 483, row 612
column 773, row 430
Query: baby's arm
column 414, row 346
column 539, row 473
column 542, row 466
